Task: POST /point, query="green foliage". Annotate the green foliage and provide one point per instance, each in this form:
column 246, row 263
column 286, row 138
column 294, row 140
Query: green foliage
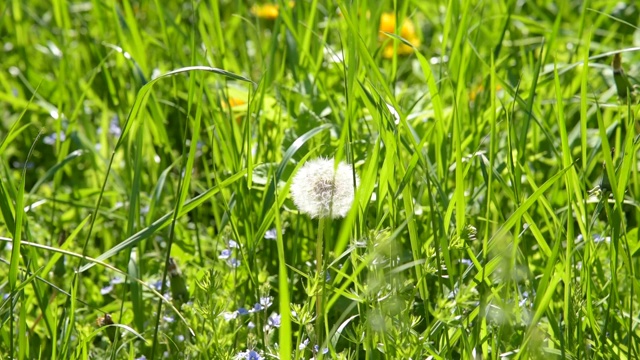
column 147, row 151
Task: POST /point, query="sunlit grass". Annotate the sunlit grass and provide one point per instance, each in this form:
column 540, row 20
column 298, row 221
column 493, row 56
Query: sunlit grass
column 148, row 207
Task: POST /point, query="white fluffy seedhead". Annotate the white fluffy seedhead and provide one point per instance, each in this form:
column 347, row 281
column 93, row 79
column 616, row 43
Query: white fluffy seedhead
column 322, row 190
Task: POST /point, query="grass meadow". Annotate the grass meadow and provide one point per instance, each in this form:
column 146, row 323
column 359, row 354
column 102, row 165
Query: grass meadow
column 237, row 179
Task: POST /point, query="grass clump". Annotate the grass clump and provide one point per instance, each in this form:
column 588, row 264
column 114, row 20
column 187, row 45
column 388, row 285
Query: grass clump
column 477, row 196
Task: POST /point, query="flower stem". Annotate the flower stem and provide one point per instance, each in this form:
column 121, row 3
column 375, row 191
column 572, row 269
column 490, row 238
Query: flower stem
column 320, row 282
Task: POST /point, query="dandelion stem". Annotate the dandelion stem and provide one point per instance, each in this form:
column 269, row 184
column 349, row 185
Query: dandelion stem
column 320, row 281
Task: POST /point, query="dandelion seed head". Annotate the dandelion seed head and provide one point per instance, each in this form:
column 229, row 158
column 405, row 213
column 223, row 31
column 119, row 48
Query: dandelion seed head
column 322, row 190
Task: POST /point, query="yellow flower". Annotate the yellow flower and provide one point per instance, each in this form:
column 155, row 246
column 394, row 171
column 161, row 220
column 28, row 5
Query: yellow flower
column 233, row 102
column 268, row 11
column 407, row 32
column 265, row 11
column 479, row 89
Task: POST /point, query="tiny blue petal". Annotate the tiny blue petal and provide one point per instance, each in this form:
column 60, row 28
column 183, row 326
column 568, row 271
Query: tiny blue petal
column 271, row 234
column 243, row 311
column 117, row 280
column 107, row 289
column 266, row 301
column 274, row 320
column 157, row 285
column 224, row 254
column 233, row 262
column 316, row 349
column 229, row 315
column 303, row 344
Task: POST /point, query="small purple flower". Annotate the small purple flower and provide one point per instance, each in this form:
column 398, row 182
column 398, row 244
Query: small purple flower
column 316, row 348
column 266, row 301
column 232, row 244
column 274, row 320
column 141, row 358
column 224, row 254
column 303, row 344
column 107, row 289
column 233, row 262
column 229, row 315
column 51, row 138
column 19, row 165
column 466, row 262
column 114, row 127
column 157, row 285
column 249, row 355
column 117, row 280
column 251, row 325
column 271, row 234
column 597, row 238
column 257, row 307
column 243, row 311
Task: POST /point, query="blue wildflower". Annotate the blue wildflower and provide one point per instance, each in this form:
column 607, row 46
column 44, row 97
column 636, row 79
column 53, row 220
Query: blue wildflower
column 266, row 301
column 224, row 254
column 274, row 320
column 233, row 262
column 249, row 355
column 271, row 234
column 117, row 280
column 303, row 344
column 114, row 127
column 229, row 315
column 243, row 311
column 51, row 139
column 107, row 289
column 157, row 285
